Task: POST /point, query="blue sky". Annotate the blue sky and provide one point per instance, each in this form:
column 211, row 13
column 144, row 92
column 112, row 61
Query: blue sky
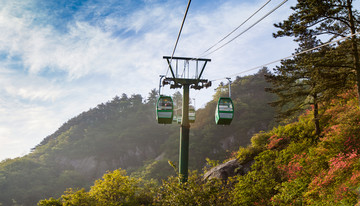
column 59, row 58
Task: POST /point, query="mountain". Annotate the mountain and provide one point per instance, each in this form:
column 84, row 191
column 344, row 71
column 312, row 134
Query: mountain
column 123, row 133
column 290, row 165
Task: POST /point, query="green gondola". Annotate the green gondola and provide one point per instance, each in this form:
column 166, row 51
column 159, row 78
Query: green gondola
column 164, row 110
column 179, row 119
column 224, row 112
column 192, row 115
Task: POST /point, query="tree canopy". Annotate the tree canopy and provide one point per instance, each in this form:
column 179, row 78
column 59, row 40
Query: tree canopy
column 326, row 20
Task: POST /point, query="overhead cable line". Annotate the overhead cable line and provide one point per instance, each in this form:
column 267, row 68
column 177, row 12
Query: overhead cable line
column 288, row 56
column 178, row 37
column 236, row 28
column 262, row 18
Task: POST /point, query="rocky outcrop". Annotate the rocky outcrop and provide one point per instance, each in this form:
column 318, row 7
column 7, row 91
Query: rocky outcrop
column 228, row 169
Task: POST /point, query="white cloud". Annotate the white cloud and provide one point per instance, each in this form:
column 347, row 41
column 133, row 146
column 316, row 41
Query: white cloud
column 23, row 126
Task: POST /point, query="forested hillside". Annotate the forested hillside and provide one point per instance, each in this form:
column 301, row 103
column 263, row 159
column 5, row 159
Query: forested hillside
column 123, row 133
column 291, row 165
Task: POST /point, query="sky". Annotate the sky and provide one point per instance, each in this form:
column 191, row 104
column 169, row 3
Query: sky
column 59, row 58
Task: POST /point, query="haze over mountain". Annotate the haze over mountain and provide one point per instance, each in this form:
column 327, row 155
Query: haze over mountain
column 123, row 133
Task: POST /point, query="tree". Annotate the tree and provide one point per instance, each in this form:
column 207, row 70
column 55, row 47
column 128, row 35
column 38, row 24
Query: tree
column 124, row 102
column 135, row 100
column 118, row 189
column 195, row 191
column 153, row 96
column 329, row 19
column 177, row 98
column 259, row 185
column 307, row 79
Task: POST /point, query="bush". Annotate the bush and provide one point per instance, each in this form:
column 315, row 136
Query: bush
column 194, row 192
column 115, row 188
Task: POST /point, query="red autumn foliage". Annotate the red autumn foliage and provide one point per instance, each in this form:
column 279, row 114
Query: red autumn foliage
column 294, row 168
column 276, row 142
column 339, row 167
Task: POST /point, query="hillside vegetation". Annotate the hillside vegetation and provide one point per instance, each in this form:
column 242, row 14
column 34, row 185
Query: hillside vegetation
column 292, row 166
column 123, row 133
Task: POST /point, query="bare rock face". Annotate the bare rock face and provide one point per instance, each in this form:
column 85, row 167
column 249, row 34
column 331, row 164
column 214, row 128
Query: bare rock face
column 228, row 169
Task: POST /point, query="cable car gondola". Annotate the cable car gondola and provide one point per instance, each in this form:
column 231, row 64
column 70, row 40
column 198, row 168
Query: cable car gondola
column 179, row 119
column 192, row 114
column 224, row 112
column 164, row 110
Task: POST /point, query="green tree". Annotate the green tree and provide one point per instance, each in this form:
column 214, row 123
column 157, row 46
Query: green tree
column 115, row 188
column 195, row 191
column 50, row 202
column 153, row 96
column 307, row 79
column 258, row 186
column 124, row 102
column 177, row 98
column 326, row 18
column 77, row 198
column 118, row 189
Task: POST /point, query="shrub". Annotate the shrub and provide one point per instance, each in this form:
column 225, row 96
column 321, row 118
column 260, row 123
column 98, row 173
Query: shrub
column 195, row 191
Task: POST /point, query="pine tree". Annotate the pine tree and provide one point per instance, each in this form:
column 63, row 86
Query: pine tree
column 307, row 79
column 327, row 18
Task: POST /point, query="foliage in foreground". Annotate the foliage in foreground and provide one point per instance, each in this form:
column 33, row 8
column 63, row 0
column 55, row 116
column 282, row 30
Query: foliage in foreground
column 118, row 189
column 115, row 188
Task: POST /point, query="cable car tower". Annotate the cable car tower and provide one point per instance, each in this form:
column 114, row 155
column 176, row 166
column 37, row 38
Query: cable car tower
column 181, row 81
